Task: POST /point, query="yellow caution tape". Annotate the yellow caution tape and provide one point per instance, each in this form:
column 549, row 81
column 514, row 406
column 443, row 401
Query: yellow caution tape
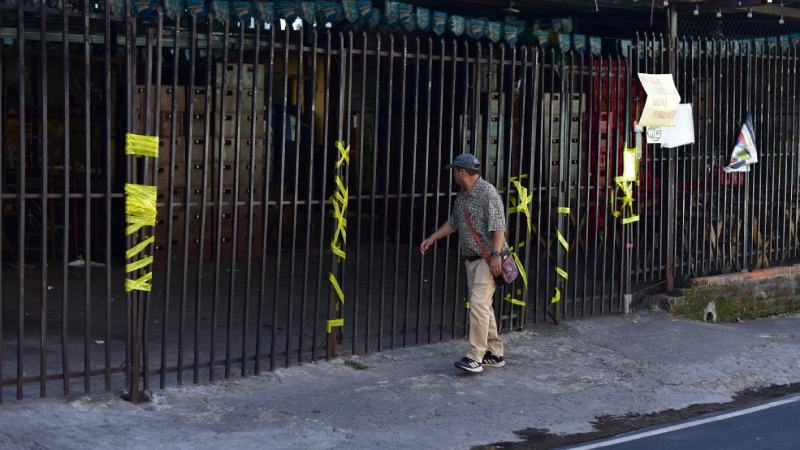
column 136, row 265
column 561, row 273
column 336, row 287
column 562, row 240
column 140, row 284
column 140, row 207
column 339, row 201
column 557, row 297
column 514, row 301
column 522, row 273
column 334, row 323
column 344, row 154
column 140, row 211
column 522, row 204
column 623, row 204
column 138, row 248
column 139, row 145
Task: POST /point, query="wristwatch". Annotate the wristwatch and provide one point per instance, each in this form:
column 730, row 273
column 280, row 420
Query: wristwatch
column 494, row 253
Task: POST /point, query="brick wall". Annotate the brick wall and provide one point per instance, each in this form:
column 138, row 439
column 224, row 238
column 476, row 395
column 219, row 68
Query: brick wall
column 743, row 295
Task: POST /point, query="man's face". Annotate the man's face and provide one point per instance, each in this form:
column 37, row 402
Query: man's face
column 458, row 176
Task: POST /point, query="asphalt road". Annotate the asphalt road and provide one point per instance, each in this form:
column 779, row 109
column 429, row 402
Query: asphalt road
column 771, row 425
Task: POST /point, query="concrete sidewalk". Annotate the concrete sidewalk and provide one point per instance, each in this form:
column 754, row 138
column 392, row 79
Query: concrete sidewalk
column 559, row 379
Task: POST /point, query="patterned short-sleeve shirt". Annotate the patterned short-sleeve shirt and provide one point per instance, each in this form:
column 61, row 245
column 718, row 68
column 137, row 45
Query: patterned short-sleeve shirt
column 487, row 213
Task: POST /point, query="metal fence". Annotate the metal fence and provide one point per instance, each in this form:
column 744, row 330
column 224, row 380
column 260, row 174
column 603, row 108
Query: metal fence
column 248, row 117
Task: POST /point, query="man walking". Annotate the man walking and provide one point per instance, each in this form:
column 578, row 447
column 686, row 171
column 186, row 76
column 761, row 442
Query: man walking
column 479, row 218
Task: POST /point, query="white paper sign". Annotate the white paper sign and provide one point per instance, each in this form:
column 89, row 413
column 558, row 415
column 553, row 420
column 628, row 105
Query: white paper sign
column 682, row 133
column 662, row 100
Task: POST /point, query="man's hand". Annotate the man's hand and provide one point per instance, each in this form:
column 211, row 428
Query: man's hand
column 496, row 265
column 426, row 244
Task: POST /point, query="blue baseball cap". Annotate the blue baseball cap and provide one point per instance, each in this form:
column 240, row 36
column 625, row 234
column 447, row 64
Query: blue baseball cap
column 464, row 161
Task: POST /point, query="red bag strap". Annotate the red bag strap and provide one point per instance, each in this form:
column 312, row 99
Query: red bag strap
column 475, row 236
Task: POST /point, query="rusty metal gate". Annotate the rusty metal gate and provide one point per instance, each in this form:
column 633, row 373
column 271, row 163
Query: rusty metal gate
column 249, row 114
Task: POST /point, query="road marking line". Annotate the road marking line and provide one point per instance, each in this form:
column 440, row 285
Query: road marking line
column 686, row 425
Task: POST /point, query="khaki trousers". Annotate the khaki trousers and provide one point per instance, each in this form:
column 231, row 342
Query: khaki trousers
column 482, row 323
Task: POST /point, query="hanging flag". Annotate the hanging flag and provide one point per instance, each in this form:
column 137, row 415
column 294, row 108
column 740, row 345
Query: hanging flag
column 744, row 153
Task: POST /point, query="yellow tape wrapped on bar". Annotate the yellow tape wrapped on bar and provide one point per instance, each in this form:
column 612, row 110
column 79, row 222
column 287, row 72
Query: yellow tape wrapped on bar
column 140, row 211
column 514, row 301
column 561, row 273
column 339, row 201
column 521, row 205
column 334, row 323
column 522, row 273
column 623, row 202
column 139, row 145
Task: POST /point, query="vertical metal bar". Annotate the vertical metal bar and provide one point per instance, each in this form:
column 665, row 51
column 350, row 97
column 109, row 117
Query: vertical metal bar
column 298, row 122
column 589, row 173
column 131, row 374
column 150, row 178
column 548, row 147
column 544, row 146
column 309, row 196
column 399, row 192
column 683, row 231
column 360, row 194
column 498, row 145
column 237, row 148
column 428, row 94
column 21, row 193
column 783, row 152
column 412, row 193
column 642, row 51
column 45, row 190
column 265, row 202
column 726, row 217
column 203, row 191
column 248, row 278
column 608, row 185
column 660, row 271
column 372, row 210
column 535, row 103
column 599, row 198
column 187, row 192
column 702, row 93
column 65, row 67
column 437, row 201
column 109, row 152
column 768, row 156
column 516, row 89
column 341, row 128
column 450, row 184
column 284, row 110
column 322, row 188
column 386, row 191
column 712, row 174
column 791, row 155
column 446, row 271
column 579, row 159
column 704, row 170
column 564, row 162
column 220, row 166
column 170, row 195
column 785, row 137
column 87, row 225
column 733, row 118
column 2, row 205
